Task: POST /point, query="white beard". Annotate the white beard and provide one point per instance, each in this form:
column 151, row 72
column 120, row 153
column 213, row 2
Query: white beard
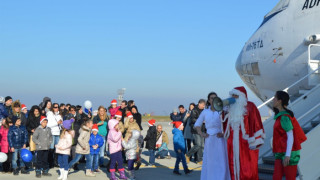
column 238, row 110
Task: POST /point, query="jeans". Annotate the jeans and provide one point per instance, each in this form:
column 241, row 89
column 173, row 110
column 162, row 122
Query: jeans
column 95, row 161
column 180, row 157
column 152, row 158
column 77, row 159
column 55, row 140
column 162, row 153
column 15, row 158
column 198, row 147
column 102, row 150
column 42, row 160
column 63, row 161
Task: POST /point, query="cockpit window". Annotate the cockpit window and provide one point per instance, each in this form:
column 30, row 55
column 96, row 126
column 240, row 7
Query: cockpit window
column 282, row 4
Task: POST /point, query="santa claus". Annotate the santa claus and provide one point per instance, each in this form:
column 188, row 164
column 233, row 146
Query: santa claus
column 244, row 132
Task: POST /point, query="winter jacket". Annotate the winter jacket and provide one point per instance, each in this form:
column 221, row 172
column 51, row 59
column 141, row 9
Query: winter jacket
column 165, row 138
column 65, row 143
column 95, row 139
column 83, row 141
column 178, row 141
column 8, row 109
column 114, row 137
column 20, row 115
column 4, row 144
column 17, row 136
column 175, row 117
column 76, row 126
column 187, row 130
column 151, row 138
column 195, row 113
column 138, row 119
column 53, row 119
column 131, row 145
column 113, row 111
column 121, row 127
column 3, row 112
column 129, row 126
column 33, row 123
column 42, row 137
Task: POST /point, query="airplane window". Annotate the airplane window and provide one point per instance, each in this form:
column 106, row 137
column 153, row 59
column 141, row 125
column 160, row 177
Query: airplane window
column 249, row 69
column 282, row 4
column 244, row 69
column 255, row 69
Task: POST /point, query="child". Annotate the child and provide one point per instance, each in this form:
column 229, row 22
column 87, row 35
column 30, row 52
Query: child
column 83, row 147
column 4, row 145
column 42, row 137
column 131, row 154
column 17, row 137
column 114, row 141
column 63, row 148
column 96, row 142
column 113, row 109
column 118, row 117
column 151, row 139
column 179, row 148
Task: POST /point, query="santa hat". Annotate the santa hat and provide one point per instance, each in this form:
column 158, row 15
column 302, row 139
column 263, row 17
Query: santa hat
column 43, row 118
column 240, row 91
column 177, row 124
column 118, row 114
column 95, row 128
column 23, row 106
column 129, row 115
column 114, row 102
column 151, row 122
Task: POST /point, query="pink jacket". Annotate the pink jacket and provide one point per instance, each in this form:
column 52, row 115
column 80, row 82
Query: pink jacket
column 113, row 111
column 4, row 144
column 114, row 137
column 64, row 144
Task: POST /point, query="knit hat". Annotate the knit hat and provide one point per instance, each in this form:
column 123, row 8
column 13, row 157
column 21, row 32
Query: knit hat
column 175, row 110
column 7, row 98
column 129, row 115
column 95, row 128
column 43, row 118
column 177, row 124
column 2, row 99
column 67, row 124
column 114, row 102
column 23, row 106
column 118, row 114
column 151, row 122
column 240, row 91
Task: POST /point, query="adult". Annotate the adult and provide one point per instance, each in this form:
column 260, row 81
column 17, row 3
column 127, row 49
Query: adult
column 137, row 116
column 54, row 122
column 46, row 108
column 3, row 112
column 162, row 143
column 130, row 124
column 16, row 111
column 197, row 138
column 8, row 102
column 63, row 111
column 187, row 128
column 215, row 158
column 130, row 104
column 183, row 114
column 42, row 105
column 244, row 133
column 102, row 121
column 32, row 124
column 123, row 109
column 287, row 138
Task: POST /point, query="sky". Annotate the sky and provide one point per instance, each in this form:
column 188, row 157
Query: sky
column 164, row 52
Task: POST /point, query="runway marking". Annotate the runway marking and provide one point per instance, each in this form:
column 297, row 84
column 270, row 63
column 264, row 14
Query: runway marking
column 165, row 167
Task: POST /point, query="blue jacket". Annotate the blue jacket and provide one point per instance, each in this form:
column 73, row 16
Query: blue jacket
column 95, row 140
column 178, row 140
column 17, row 136
column 175, row 117
column 3, row 111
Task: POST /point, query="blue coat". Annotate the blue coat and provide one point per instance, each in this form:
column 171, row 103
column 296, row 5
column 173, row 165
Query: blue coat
column 95, row 140
column 17, row 136
column 175, row 117
column 3, row 111
column 178, row 140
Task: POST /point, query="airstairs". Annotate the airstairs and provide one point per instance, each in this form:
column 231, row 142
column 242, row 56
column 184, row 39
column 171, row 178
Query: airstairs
column 305, row 104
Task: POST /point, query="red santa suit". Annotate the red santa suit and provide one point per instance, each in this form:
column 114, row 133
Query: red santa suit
column 244, row 132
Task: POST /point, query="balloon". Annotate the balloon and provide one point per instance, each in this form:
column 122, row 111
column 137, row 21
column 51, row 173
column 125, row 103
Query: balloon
column 26, row 155
column 87, row 111
column 87, row 104
column 3, row 157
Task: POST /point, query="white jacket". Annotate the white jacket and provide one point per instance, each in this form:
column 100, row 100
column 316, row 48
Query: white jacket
column 53, row 120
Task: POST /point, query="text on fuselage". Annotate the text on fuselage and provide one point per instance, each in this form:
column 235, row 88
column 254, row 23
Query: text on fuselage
column 254, row 45
column 308, row 4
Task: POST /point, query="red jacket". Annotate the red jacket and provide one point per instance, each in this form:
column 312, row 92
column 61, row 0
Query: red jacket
column 4, row 144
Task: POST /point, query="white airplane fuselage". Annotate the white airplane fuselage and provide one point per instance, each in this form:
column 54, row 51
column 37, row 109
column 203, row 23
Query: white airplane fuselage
column 276, row 55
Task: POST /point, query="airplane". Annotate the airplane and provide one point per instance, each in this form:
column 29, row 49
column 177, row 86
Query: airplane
column 284, row 54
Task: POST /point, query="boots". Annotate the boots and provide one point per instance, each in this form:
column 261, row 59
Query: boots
column 61, row 170
column 138, row 165
column 24, row 171
column 16, row 172
column 89, row 173
column 187, row 159
column 108, row 166
column 65, row 175
column 46, row 173
column 187, row 171
column 113, row 176
column 38, row 173
column 56, row 164
column 75, row 167
column 122, row 175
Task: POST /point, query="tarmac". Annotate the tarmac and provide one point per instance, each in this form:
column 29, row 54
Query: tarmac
column 161, row 171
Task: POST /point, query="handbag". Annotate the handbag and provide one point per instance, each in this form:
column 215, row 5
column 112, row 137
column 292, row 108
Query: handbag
column 32, row 144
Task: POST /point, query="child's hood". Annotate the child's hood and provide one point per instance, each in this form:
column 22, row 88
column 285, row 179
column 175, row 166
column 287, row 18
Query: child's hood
column 175, row 131
column 135, row 134
column 112, row 123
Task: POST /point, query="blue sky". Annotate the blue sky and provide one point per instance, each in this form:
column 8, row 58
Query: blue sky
column 165, row 53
